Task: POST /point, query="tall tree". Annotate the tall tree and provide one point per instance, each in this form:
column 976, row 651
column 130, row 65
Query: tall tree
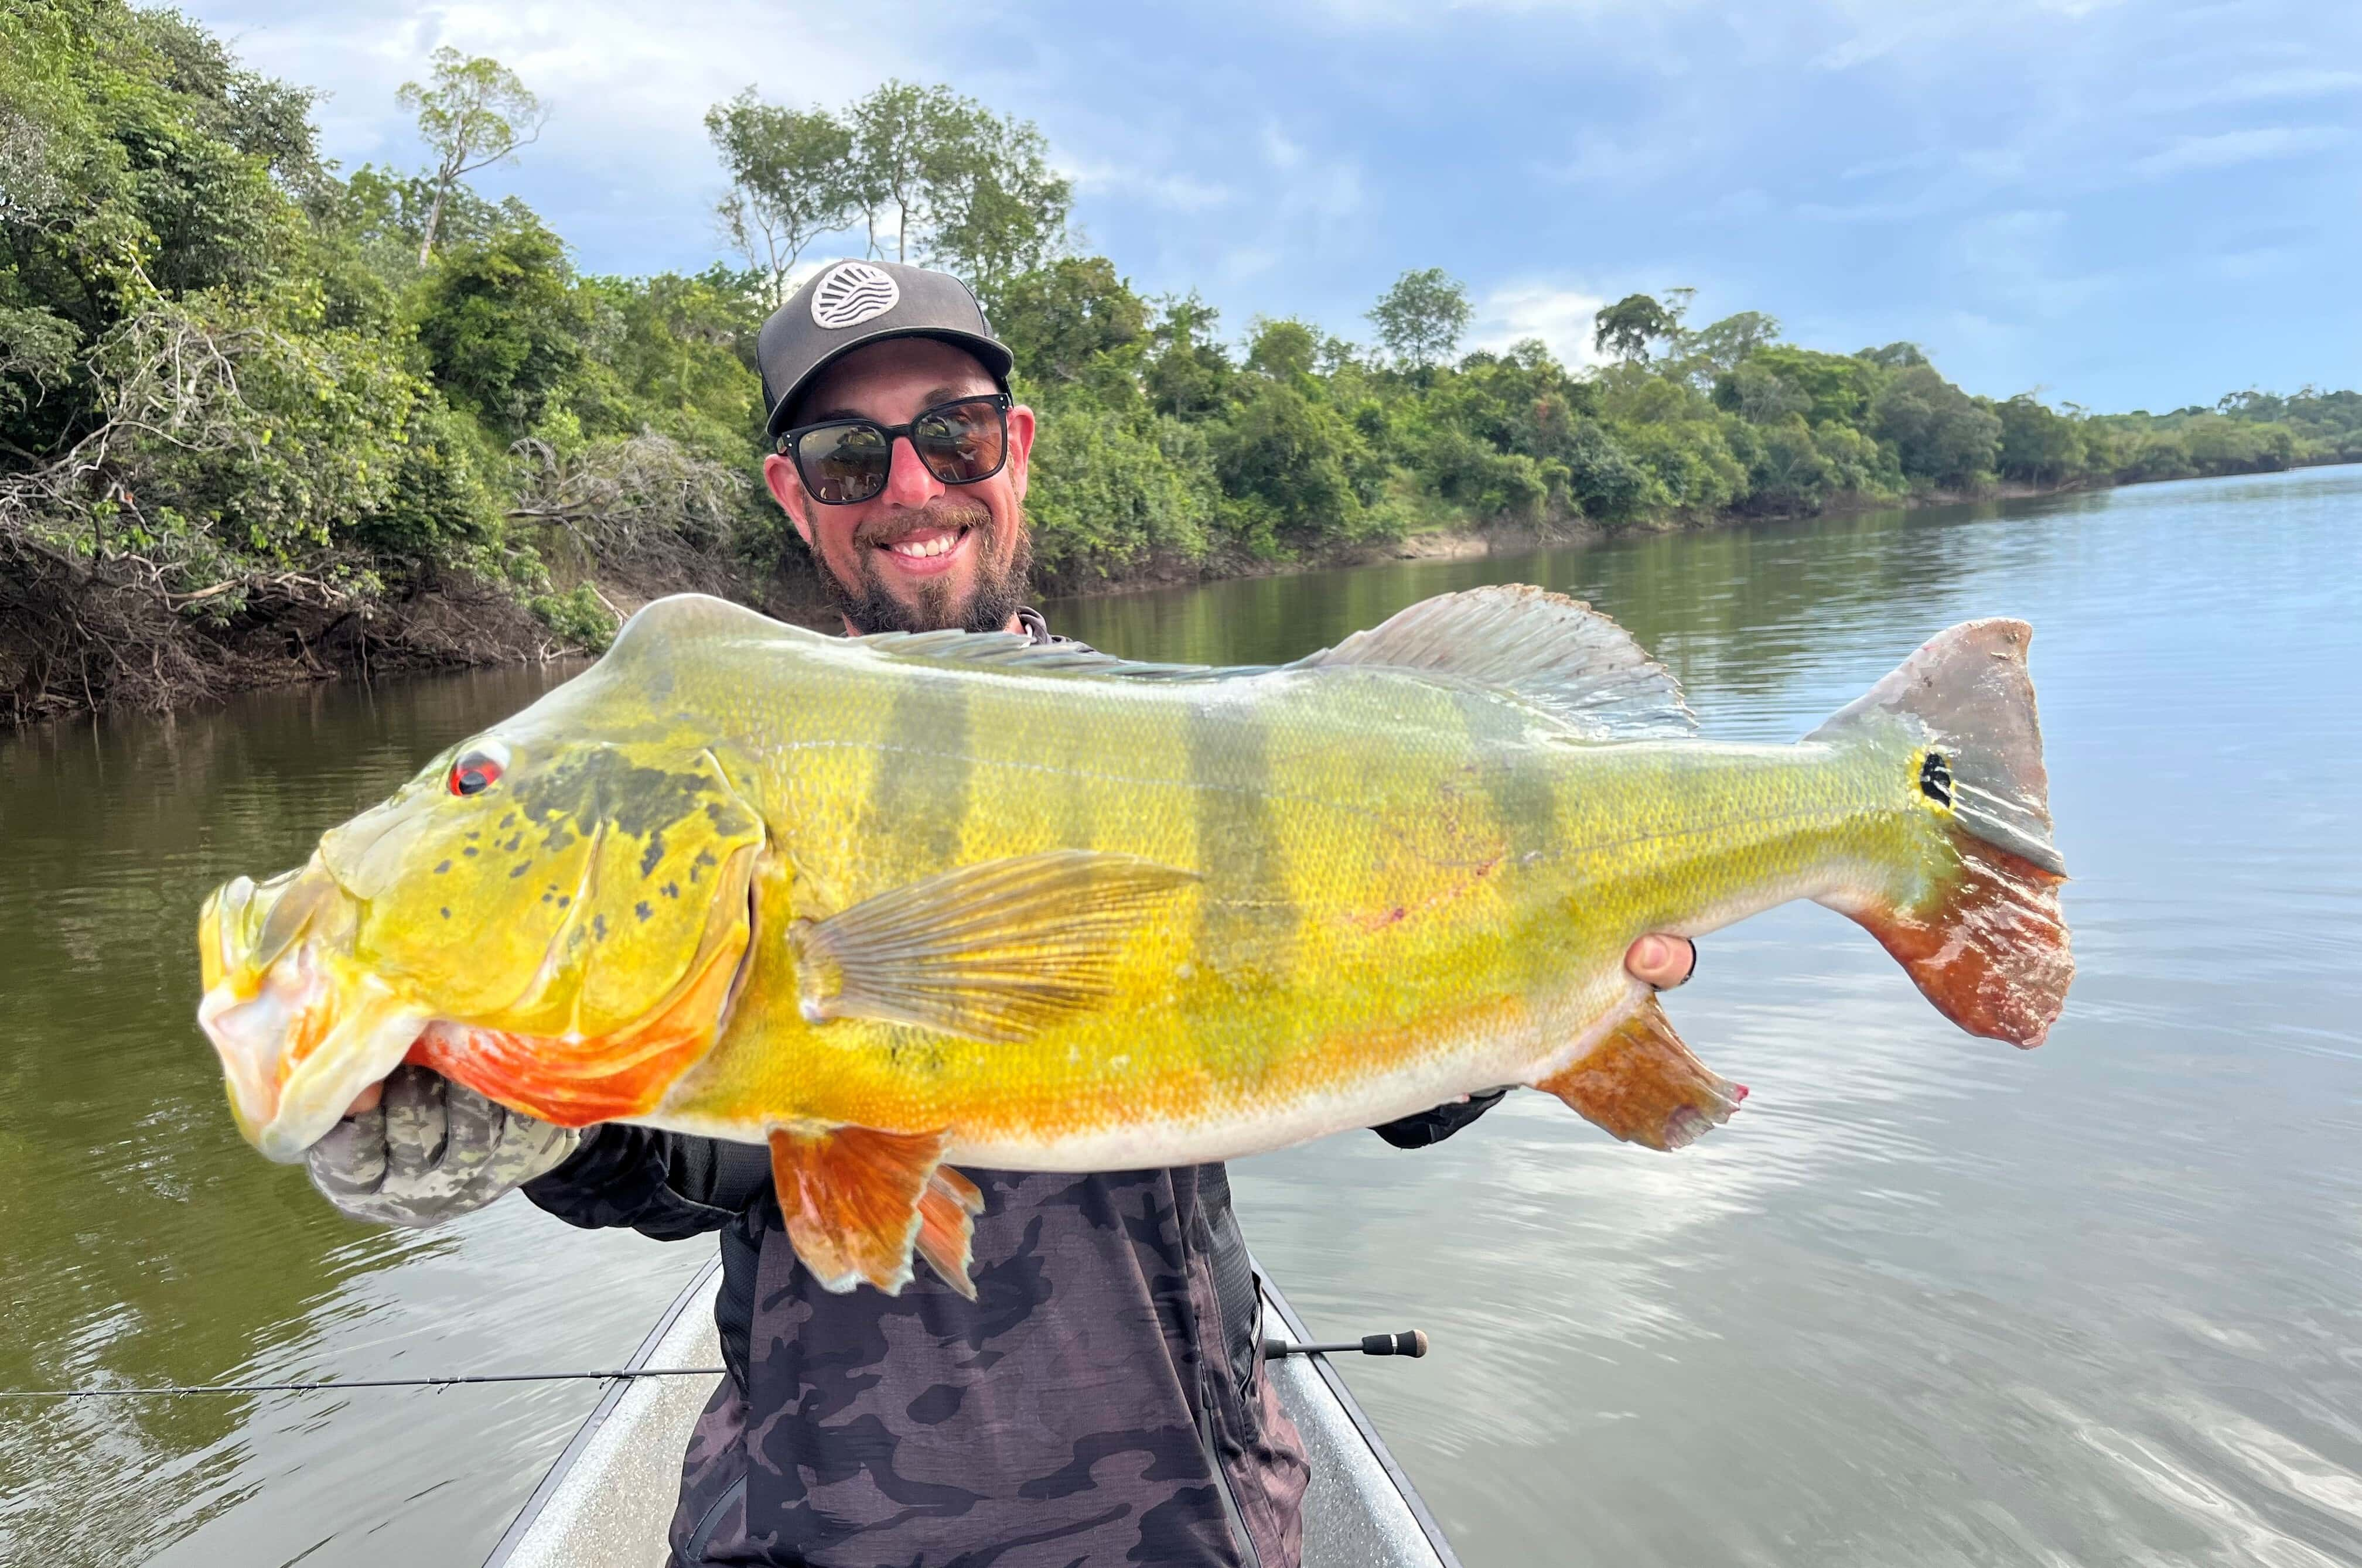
column 791, row 180
column 902, row 140
column 1627, row 328
column 997, row 209
column 1421, row 317
column 475, row 115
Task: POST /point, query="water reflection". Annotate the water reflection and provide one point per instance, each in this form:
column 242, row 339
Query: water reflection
column 1926, row 1301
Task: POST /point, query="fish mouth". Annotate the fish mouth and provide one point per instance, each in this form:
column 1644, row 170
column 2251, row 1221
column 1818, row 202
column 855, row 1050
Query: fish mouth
column 301, row 1029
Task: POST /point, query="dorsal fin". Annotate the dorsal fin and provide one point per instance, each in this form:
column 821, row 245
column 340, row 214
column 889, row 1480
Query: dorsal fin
column 1555, row 651
column 1013, row 650
column 1560, row 655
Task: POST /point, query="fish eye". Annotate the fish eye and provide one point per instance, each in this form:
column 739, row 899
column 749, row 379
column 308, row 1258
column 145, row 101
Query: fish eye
column 479, row 769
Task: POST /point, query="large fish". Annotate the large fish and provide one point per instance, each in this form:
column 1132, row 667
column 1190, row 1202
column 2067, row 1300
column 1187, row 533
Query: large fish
column 897, row 902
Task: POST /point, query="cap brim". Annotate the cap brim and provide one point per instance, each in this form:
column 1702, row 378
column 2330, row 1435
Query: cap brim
column 994, row 358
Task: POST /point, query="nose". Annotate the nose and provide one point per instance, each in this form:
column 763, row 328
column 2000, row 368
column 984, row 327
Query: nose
column 909, row 484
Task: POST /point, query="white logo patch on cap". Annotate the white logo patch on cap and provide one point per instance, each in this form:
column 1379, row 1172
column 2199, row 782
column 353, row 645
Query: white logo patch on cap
column 852, row 292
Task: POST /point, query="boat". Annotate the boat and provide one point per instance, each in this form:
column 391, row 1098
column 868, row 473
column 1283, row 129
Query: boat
column 609, row 1496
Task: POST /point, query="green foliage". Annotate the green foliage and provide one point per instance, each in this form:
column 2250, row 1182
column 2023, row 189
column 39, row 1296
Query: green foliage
column 1940, row 434
column 1627, row 328
column 1422, row 316
column 503, row 326
column 234, row 386
column 577, row 617
column 474, row 113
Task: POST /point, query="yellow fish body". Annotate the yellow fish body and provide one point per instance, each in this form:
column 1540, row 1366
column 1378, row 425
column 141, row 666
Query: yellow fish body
column 897, row 903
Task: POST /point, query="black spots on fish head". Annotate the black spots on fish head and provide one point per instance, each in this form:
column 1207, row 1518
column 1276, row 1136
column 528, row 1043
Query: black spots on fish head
column 470, row 851
column 670, row 889
column 446, row 911
column 515, row 841
column 643, row 909
column 1935, row 777
column 564, row 899
column 598, row 927
column 559, row 839
column 519, row 868
column 446, row 866
column 702, row 864
column 653, row 857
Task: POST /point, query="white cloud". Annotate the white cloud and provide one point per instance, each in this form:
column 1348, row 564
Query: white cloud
column 1176, row 192
column 2230, row 149
column 1561, row 317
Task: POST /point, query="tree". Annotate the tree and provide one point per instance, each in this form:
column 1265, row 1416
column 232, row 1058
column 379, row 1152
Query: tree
column 900, row 134
column 1721, row 345
column 998, row 208
column 471, row 118
column 1421, row 319
column 963, row 189
column 791, row 180
column 1057, row 319
column 1627, row 328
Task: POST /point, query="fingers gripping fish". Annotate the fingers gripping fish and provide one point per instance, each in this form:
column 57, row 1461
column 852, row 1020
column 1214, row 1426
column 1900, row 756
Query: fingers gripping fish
column 895, row 903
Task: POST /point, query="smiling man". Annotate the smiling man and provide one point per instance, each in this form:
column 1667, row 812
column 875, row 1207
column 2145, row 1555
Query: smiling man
column 1101, row 1400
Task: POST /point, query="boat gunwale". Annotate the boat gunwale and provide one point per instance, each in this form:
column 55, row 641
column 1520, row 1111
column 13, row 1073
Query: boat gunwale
column 1436, row 1540
column 521, row 1525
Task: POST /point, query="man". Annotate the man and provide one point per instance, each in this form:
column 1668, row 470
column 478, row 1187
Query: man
column 1102, row 1399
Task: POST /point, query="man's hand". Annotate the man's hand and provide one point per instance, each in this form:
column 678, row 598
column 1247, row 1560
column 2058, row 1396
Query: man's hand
column 1662, row 961
column 427, row 1149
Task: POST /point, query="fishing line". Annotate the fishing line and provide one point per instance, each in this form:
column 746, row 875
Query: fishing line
column 359, row 1383
column 1409, row 1342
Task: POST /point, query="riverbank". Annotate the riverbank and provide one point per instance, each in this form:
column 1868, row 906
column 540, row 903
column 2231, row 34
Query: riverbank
column 456, row 622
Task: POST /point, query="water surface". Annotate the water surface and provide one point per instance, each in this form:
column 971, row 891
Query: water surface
column 1927, row 1301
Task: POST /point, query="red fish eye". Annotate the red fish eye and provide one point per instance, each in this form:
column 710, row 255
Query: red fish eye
column 477, row 771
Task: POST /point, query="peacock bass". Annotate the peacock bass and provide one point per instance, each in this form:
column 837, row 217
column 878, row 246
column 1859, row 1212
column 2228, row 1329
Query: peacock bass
column 897, row 902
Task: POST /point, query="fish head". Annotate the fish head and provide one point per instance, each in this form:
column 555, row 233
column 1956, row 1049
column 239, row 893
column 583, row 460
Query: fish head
column 554, row 912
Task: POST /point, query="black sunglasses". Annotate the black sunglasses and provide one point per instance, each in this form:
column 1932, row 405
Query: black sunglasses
column 844, row 462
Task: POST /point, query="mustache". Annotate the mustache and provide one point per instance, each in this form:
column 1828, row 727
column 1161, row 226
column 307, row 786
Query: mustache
column 940, row 512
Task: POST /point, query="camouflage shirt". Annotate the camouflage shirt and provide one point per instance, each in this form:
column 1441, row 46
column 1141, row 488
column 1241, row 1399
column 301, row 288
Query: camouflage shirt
column 1101, row 1401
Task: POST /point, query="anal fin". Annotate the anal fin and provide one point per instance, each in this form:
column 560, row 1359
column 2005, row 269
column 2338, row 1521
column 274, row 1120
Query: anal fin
column 857, row 1201
column 1642, row 1083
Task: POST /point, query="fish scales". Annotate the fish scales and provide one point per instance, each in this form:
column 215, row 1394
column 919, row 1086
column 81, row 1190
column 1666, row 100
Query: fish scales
column 1035, row 909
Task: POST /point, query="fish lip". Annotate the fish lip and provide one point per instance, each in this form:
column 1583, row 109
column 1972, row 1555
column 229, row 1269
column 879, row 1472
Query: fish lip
column 283, row 1109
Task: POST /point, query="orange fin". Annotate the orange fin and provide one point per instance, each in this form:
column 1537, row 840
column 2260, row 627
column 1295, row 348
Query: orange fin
column 947, row 1224
column 858, row 1200
column 1991, row 951
column 1641, row 1083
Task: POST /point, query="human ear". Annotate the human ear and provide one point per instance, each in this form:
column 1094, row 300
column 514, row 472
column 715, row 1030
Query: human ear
column 786, row 487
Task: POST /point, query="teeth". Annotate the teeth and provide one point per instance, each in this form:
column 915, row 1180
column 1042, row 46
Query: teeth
column 919, row 549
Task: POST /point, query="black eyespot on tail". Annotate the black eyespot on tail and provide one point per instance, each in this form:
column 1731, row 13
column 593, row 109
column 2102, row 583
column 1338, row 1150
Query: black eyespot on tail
column 1935, row 778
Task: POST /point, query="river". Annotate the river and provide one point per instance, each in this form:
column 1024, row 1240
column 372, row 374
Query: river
column 1926, row 1301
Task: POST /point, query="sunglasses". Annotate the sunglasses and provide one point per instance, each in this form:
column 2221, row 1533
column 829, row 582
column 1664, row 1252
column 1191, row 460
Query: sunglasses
column 844, row 462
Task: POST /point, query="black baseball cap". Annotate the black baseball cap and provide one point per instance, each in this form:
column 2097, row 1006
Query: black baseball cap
column 849, row 304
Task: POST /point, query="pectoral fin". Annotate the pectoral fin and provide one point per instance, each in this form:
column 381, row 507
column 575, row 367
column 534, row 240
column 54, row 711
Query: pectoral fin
column 995, row 952
column 857, row 1201
column 1642, row 1084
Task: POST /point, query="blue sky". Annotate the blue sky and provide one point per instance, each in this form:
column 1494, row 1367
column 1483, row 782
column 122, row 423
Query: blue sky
column 2122, row 202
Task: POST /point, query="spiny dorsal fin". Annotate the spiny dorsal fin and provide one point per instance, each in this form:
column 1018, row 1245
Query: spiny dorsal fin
column 1012, row 650
column 1555, row 651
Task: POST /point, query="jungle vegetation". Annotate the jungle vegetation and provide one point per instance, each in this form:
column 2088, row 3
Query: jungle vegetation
column 260, row 416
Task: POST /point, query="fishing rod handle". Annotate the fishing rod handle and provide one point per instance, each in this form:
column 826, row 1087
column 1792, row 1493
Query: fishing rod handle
column 1410, row 1343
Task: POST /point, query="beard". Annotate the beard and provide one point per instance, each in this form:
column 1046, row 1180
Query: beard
column 1004, row 564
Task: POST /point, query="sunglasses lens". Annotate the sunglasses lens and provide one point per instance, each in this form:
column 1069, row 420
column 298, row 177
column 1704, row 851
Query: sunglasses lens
column 963, row 442
column 844, row 463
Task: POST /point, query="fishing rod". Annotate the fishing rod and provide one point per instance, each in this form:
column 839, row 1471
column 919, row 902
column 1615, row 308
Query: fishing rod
column 359, row 1383
column 1410, row 1343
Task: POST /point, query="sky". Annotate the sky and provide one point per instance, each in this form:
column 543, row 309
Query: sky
column 2121, row 203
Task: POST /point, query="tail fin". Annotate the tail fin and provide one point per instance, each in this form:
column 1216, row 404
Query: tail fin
column 1980, row 932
